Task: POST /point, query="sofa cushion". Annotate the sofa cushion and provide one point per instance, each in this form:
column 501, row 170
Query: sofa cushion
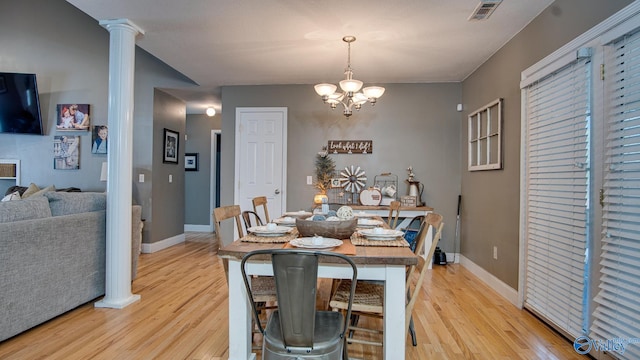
column 27, row 209
column 65, row 203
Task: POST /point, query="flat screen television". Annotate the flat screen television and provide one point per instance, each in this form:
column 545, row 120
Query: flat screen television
column 19, row 104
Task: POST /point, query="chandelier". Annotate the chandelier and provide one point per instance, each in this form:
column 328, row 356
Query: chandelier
column 350, row 97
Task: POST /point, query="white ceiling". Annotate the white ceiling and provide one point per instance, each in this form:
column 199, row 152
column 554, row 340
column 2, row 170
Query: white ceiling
column 253, row 42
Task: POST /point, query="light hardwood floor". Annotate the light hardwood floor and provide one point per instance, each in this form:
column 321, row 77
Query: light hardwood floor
column 183, row 315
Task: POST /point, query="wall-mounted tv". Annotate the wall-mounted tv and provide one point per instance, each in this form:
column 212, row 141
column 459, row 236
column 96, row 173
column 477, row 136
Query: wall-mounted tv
column 19, row 104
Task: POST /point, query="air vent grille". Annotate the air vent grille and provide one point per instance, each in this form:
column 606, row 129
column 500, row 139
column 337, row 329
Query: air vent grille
column 484, row 9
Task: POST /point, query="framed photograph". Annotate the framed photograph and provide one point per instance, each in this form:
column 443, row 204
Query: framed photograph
column 191, row 161
column 66, row 152
column 99, row 139
column 335, row 183
column 73, row 117
column 170, row 146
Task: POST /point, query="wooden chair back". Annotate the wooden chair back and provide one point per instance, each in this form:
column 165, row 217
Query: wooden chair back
column 261, row 201
column 394, row 212
column 223, row 213
column 435, row 222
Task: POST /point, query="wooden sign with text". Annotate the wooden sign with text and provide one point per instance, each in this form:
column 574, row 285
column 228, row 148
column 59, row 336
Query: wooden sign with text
column 350, row 146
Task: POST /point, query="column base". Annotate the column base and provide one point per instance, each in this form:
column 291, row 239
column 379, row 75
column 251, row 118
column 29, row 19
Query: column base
column 117, row 304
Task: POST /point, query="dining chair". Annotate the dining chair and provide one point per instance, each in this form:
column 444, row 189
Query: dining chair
column 250, row 218
column 412, row 230
column 261, row 201
column 368, row 298
column 297, row 329
column 264, row 286
column 223, row 213
column 394, row 213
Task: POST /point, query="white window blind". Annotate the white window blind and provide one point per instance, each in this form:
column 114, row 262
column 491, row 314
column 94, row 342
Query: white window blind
column 617, row 313
column 557, row 109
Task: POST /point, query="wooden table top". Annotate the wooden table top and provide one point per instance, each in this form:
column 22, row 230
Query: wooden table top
column 380, row 207
column 367, row 255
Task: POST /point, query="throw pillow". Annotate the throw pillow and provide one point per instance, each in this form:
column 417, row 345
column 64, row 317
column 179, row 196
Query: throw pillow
column 45, row 190
column 65, row 203
column 13, row 196
column 14, row 188
column 32, row 189
column 27, row 209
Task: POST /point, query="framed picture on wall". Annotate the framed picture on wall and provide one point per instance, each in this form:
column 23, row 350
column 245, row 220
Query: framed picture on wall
column 170, row 146
column 99, row 139
column 66, row 152
column 191, row 161
column 73, row 117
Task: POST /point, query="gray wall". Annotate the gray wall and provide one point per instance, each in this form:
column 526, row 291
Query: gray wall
column 70, row 59
column 490, row 211
column 412, row 124
column 197, row 183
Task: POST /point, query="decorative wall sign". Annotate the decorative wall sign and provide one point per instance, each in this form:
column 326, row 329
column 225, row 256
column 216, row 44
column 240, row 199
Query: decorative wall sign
column 350, row 146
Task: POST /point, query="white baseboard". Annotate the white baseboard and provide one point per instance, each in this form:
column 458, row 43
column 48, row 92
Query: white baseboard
column 198, row 228
column 162, row 244
column 493, row 282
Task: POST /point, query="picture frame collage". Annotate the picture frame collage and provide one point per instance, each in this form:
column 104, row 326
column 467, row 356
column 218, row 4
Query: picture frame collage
column 76, row 118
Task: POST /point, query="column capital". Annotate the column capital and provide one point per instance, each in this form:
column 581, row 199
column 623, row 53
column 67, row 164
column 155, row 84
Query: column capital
column 113, row 24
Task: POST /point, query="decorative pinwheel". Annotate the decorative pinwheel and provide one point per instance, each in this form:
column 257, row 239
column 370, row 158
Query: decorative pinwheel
column 352, row 180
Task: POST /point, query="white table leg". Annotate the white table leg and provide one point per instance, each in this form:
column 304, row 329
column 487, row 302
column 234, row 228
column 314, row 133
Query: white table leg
column 394, row 306
column 239, row 316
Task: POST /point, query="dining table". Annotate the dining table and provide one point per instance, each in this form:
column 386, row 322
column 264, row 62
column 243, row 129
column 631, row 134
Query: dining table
column 376, row 260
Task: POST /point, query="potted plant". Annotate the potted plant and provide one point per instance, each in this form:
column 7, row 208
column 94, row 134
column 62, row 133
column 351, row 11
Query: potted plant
column 325, row 168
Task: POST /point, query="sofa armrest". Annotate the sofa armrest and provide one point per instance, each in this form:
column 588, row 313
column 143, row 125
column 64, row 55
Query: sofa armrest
column 136, row 238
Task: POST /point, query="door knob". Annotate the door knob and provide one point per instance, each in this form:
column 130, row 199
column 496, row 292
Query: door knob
column 277, row 191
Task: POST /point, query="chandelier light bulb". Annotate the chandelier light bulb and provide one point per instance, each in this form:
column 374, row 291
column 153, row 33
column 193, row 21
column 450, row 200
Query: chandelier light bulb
column 373, row 92
column 350, row 85
column 325, row 89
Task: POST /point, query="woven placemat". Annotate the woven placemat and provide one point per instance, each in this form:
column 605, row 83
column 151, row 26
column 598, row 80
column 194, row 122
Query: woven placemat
column 359, row 240
column 251, row 237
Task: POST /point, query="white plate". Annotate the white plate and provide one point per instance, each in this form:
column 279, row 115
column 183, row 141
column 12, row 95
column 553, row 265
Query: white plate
column 291, row 221
column 386, row 234
column 308, row 243
column 300, row 213
column 263, row 231
column 364, row 222
column 363, row 214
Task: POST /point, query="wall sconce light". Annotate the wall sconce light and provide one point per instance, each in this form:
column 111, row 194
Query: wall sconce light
column 210, row 111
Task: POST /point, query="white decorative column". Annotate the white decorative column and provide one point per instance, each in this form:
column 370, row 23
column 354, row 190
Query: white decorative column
column 122, row 45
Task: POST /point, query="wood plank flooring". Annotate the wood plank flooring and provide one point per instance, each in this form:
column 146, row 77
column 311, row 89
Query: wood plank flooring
column 183, row 314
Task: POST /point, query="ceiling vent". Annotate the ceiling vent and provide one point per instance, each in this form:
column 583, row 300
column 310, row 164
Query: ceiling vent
column 484, row 9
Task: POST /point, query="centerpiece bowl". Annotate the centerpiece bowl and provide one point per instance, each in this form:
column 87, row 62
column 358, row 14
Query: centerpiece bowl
column 339, row 229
